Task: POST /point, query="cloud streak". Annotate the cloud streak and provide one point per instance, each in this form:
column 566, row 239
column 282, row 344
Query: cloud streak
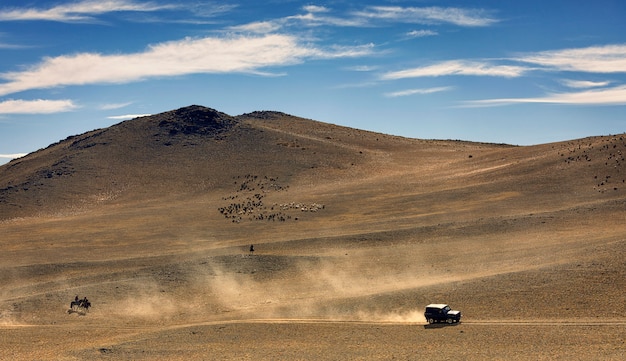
column 127, row 116
column 39, row 106
column 11, row 46
column 595, row 59
column 408, row 92
column 316, row 16
column 607, row 97
column 458, row 67
column 188, row 56
column 598, row 59
column 82, row 11
column 12, row 156
column 581, row 84
column 112, row 106
column 429, row 15
column 421, row 33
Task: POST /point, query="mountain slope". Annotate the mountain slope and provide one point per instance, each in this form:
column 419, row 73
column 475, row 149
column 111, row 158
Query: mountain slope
column 153, row 218
column 197, row 150
column 181, row 151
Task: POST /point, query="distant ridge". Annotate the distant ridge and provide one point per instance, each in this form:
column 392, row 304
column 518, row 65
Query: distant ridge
column 196, row 150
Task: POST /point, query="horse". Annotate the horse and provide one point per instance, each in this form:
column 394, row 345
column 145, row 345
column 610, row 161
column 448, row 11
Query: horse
column 76, row 306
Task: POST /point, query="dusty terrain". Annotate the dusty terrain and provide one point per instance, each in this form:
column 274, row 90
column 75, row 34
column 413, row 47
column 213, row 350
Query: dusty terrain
column 354, row 233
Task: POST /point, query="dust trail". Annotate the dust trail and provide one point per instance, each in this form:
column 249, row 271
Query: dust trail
column 145, row 301
column 294, row 288
column 416, row 316
column 8, row 319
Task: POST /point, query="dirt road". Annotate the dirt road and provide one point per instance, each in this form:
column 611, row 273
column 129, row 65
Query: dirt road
column 321, row 340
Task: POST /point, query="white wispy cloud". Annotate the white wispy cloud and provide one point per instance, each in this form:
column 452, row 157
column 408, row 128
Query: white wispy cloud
column 113, row 106
column 606, row 96
column 127, row 116
column 595, row 59
column 12, row 156
column 38, row 106
column 313, row 16
column 259, row 27
column 373, row 15
column 362, row 68
column 316, row 16
column 429, row 15
column 458, row 67
column 315, row 19
column 79, row 11
column 581, row 84
column 242, row 54
column 208, row 9
column 11, row 46
column 408, row 92
column 316, row 9
column 421, row 33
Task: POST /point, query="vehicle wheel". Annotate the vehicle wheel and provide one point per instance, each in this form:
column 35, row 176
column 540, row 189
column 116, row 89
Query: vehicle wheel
column 450, row 320
column 431, row 321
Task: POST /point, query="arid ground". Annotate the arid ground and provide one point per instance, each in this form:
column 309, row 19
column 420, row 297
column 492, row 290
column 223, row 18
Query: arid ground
column 354, row 233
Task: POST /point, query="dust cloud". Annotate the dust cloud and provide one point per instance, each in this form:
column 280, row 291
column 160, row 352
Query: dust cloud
column 416, row 316
column 148, row 306
column 289, row 287
column 368, row 286
column 145, row 300
column 7, row 319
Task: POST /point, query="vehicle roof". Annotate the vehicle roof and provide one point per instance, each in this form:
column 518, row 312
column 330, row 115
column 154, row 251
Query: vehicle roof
column 437, row 305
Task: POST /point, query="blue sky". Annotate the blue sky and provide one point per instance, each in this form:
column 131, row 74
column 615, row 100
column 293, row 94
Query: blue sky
column 518, row 72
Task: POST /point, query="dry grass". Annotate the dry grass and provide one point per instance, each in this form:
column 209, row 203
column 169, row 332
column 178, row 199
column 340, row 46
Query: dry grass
column 527, row 241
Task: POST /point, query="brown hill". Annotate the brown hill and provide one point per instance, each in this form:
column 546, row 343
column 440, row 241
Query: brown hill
column 152, row 219
column 181, row 152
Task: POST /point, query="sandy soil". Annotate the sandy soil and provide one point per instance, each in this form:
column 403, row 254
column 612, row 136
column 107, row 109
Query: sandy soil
column 527, row 242
column 335, row 298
